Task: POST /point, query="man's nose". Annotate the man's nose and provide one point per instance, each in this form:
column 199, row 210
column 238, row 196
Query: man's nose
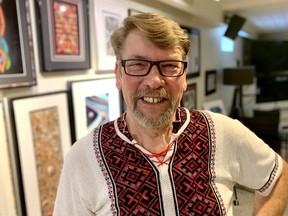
column 154, row 79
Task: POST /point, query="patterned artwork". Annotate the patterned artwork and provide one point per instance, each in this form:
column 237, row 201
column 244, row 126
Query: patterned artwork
column 97, row 110
column 42, row 131
column 47, row 145
column 64, row 34
column 66, row 28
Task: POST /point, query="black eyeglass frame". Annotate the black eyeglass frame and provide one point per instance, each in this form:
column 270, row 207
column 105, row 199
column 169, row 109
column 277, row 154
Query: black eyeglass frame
column 152, row 63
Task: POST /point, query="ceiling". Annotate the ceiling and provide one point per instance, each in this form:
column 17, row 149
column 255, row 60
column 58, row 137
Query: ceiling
column 267, row 16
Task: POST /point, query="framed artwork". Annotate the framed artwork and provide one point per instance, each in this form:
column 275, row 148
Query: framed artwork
column 109, row 16
column 92, row 102
column 210, row 82
column 7, row 198
column 17, row 64
column 216, row 106
column 41, row 138
column 65, row 35
column 189, row 99
column 193, row 57
column 133, row 11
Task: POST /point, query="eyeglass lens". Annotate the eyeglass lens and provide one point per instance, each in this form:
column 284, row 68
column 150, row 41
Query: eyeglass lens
column 143, row 67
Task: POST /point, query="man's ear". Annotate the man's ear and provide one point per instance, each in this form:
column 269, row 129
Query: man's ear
column 117, row 71
column 184, row 85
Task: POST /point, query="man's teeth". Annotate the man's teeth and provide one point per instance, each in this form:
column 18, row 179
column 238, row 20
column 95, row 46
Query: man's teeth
column 152, row 100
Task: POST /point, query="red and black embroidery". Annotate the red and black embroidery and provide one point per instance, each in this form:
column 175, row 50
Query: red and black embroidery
column 191, row 173
column 133, row 180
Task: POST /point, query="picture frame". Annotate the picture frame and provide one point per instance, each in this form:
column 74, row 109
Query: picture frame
column 17, row 69
column 41, row 136
column 132, row 11
column 216, row 106
column 92, row 102
column 109, row 16
column 7, row 198
column 194, row 57
column 189, row 99
column 64, row 30
column 210, row 81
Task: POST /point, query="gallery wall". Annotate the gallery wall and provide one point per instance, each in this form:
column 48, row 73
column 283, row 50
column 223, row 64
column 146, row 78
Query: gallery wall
column 63, row 89
column 56, row 80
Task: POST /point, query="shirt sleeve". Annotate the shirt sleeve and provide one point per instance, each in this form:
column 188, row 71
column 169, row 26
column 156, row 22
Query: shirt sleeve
column 259, row 164
column 244, row 158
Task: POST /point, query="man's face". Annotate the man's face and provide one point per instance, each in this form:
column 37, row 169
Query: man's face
column 151, row 100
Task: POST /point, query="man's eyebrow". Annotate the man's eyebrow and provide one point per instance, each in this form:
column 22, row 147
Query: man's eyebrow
column 138, row 57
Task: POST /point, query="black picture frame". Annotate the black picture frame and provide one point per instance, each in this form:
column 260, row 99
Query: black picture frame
column 24, row 152
column 64, row 48
column 210, row 81
column 18, row 68
column 132, row 11
column 193, row 58
column 189, row 99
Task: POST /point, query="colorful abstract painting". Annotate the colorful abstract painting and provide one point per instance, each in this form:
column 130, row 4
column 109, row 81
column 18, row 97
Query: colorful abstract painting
column 97, row 110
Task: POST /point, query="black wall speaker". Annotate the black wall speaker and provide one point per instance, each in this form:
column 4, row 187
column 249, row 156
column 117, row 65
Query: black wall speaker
column 234, row 26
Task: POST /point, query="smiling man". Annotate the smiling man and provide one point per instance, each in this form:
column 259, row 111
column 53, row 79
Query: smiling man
column 161, row 159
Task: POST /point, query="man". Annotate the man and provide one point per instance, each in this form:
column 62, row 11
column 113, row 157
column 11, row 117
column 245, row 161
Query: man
column 161, row 159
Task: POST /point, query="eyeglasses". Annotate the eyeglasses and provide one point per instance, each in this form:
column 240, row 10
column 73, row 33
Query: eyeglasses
column 167, row 68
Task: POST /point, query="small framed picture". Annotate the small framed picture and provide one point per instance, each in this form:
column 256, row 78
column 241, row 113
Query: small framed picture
column 216, row 106
column 189, row 99
column 193, row 58
column 133, row 11
column 109, row 16
column 17, row 65
column 92, row 102
column 41, row 137
column 65, row 35
column 210, row 82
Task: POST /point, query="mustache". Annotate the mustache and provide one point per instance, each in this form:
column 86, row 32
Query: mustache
column 153, row 93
